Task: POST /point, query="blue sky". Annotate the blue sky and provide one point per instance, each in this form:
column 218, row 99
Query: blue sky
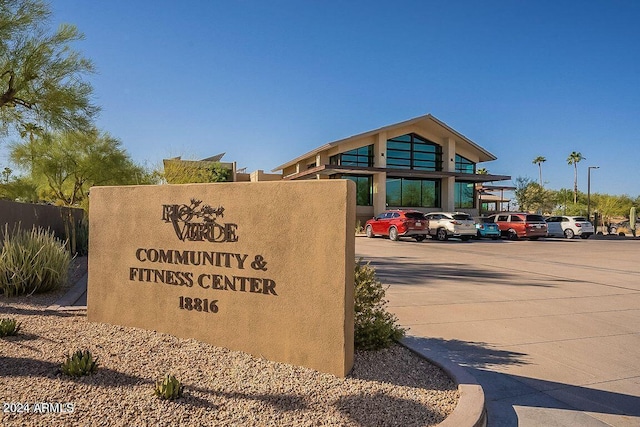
column 265, row 81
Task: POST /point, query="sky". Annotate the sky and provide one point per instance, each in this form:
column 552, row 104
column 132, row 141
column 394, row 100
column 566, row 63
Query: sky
column 266, row 81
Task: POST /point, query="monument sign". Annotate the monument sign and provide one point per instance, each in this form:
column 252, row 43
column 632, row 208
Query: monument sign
column 266, row 267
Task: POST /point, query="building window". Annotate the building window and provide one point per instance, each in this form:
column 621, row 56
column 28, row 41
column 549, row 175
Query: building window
column 416, row 193
column 364, row 188
column 411, row 151
column 464, row 165
column 362, row 156
column 464, row 195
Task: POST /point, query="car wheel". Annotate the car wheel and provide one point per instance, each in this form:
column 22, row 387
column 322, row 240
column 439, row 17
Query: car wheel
column 419, row 238
column 441, row 234
column 512, row 234
column 369, row 231
column 465, row 238
column 393, row 234
column 585, row 236
column 568, row 233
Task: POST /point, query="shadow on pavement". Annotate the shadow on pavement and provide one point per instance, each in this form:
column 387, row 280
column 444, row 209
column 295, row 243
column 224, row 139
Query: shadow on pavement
column 396, row 271
column 504, row 391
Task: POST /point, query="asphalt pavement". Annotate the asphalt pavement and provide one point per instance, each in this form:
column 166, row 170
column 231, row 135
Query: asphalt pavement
column 549, row 328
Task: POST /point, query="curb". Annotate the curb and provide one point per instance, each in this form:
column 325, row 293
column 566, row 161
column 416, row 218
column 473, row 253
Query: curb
column 470, row 410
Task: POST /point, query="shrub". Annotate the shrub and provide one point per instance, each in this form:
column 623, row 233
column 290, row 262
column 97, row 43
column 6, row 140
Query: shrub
column 9, row 327
column 359, row 228
column 80, row 363
column 375, row 327
column 32, row 262
column 168, row 388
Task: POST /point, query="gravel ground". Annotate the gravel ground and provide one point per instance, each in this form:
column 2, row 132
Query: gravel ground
column 391, row 387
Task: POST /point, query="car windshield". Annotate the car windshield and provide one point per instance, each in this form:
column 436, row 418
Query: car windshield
column 414, row 215
column 535, row 218
column 462, row 217
column 485, row 220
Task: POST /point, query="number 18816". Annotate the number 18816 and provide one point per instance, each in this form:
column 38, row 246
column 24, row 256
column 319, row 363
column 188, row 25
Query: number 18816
column 198, row 304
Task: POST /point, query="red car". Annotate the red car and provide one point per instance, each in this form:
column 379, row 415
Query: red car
column 398, row 223
column 515, row 225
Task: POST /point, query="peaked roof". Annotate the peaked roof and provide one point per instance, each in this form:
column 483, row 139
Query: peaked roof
column 484, row 154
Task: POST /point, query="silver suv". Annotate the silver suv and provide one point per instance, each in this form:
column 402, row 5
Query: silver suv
column 443, row 225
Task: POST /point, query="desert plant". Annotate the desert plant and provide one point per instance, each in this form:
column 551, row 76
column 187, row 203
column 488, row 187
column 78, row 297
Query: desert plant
column 76, row 232
column 9, row 327
column 359, row 228
column 32, row 261
column 80, row 363
column 632, row 220
column 375, row 327
column 168, row 388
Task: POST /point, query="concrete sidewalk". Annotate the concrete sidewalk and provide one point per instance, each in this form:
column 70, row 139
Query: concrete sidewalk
column 75, row 298
column 550, row 329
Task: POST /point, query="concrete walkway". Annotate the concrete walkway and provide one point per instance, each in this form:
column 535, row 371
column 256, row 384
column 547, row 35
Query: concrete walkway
column 75, row 298
column 550, row 329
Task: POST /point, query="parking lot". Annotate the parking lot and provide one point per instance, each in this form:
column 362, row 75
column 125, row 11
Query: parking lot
column 550, row 328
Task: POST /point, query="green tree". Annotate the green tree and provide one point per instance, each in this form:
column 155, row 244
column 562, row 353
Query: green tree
column 65, row 165
column 573, row 159
column 539, row 161
column 532, row 197
column 482, row 171
column 41, row 76
column 21, row 189
column 178, row 171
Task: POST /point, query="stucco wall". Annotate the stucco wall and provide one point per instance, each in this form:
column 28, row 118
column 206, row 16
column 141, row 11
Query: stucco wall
column 265, row 268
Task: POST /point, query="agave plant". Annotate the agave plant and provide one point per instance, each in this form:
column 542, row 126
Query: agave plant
column 168, row 388
column 80, row 363
column 9, row 327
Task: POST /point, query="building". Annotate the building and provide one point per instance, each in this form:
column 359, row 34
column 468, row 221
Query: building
column 420, row 163
column 179, row 171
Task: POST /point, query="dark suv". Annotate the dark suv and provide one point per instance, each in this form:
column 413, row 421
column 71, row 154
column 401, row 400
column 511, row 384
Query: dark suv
column 515, row 225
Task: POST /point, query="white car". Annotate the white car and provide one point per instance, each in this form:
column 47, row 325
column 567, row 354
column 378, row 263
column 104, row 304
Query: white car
column 569, row 227
column 443, row 225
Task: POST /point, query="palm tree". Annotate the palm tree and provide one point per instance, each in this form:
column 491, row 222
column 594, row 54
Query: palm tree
column 573, row 159
column 539, row 161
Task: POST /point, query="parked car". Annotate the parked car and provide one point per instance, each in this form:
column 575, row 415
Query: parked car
column 398, row 223
column 624, row 225
column 569, row 227
column 443, row 225
column 487, row 228
column 515, row 225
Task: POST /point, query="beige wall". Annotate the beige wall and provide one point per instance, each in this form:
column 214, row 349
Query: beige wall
column 259, row 175
column 288, row 249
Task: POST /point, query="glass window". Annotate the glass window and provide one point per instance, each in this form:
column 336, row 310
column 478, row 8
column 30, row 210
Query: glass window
column 464, row 195
column 394, row 191
column 411, row 151
column 415, row 215
column 364, row 189
column 409, row 192
column 464, row 165
column 362, row 156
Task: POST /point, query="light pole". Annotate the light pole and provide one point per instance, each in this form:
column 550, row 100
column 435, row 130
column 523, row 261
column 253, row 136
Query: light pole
column 589, row 194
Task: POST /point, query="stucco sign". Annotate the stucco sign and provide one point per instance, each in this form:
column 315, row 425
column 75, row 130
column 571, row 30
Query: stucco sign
column 265, row 268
